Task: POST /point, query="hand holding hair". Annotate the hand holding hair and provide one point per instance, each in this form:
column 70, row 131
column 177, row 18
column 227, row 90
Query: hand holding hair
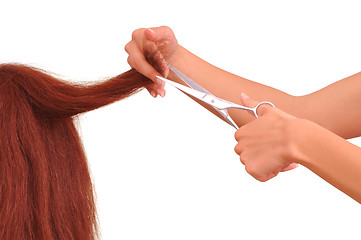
column 152, row 45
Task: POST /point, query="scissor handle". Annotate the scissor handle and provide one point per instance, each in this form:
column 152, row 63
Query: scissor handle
column 254, row 110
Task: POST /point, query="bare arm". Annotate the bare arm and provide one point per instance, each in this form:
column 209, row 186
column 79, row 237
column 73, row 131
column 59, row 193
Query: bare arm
column 335, row 107
column 308, row 130
column 332, row 158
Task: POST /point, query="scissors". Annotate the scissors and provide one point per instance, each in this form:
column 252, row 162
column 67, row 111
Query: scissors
column 219, row 104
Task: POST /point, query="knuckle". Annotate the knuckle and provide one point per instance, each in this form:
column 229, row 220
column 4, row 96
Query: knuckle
column 126, row 47
column 262, row 179
column 135, row 33
column 166, row 28
column 129, row 61
column 237, row 150
column 135, row 64
column 243, row 158
column 253, row 171
column 238, row 134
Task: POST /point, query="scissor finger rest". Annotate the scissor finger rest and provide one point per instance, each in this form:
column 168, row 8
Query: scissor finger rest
column 258, row 105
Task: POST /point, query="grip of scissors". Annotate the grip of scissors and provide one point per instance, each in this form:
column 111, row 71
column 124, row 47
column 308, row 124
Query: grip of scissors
column 254, row 110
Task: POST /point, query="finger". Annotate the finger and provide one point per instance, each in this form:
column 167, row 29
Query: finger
column 147, row 70
column 161, row 92
column 248, row 102
column 150, row 34
column 154, row 57
column 152, row 90
column 290, row 167
column 164, row 39
column 152, row 93
column 137, row 35
column 239, row 133
column 238, row 149
column 127, row 47
column 269, row 176
column 137, row 60
column 242, row 157
column 158, row 34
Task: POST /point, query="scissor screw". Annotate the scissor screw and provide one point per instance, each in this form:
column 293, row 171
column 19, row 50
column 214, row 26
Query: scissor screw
column 212, row 101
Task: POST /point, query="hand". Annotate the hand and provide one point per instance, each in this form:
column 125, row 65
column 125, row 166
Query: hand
column 148, row 50
column 266, row 145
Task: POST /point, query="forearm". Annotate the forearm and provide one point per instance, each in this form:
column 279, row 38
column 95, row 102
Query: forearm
column 335, row 107
column 330, row 157
column 228, row 86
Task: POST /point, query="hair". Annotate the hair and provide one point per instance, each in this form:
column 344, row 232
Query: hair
column 46, row 190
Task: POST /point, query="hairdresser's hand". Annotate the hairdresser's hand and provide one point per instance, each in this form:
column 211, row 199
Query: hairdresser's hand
column 148, row 50
column 267, row 145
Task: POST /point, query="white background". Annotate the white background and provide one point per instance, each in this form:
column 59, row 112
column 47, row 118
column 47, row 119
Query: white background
column 165, row 168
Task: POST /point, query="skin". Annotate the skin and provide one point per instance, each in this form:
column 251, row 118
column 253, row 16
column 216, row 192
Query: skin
column 309, row 130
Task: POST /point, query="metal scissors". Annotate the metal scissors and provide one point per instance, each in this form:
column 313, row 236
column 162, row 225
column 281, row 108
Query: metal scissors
column 219, row 104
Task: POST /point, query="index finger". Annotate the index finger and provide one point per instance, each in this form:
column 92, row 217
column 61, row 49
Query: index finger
column 154, row 57
column 238, row 134
column 137, row 61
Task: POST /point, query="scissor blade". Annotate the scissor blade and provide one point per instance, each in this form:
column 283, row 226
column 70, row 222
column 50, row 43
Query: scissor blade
column 196, row 86
column 222, row 104
column 187, row 80
column 218, row 103
column 195, row 93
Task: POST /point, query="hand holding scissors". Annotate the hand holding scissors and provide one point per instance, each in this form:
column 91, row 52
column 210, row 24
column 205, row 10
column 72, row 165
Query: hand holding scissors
column 254, row 157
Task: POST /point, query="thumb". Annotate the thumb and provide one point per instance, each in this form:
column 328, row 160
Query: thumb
column 158, row 34
column 290, row 167
column 150, row 34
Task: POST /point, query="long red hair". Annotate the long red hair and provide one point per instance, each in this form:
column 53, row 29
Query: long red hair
column 45, row 188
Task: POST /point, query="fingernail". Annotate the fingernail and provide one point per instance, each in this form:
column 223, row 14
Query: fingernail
column 160, row 92
column 153, row 94
column 159, row 82
column 165, row 69
column 245, row 98
column 243, row 95
column 150, row 30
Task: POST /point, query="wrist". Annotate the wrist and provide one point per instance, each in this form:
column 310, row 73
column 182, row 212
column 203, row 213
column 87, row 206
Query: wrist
column 300, row 132
column 176, row 56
